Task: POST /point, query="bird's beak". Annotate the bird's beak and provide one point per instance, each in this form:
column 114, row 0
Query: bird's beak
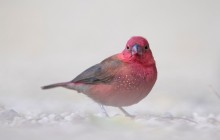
column 136, row 49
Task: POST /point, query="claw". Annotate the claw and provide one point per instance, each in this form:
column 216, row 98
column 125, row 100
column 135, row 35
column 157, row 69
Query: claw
column 126, row 113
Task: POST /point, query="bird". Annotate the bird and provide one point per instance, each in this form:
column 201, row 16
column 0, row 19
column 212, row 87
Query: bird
column 120, row 80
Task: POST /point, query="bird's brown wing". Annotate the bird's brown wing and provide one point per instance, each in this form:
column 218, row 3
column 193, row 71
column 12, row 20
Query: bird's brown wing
column 100, row 73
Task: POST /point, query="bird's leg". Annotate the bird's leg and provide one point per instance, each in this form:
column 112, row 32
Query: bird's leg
column 126, row 113
column 103, row 110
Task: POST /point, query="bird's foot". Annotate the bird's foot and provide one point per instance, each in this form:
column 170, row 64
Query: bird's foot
column 123, row 110
column 103, row 110
column 126, row 113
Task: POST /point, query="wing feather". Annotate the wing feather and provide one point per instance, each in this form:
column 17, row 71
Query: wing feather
column 103, row 72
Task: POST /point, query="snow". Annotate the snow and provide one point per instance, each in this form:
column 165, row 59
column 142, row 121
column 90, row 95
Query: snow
column 72, row 125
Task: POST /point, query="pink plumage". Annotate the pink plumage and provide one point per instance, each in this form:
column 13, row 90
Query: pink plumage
column 121, row 80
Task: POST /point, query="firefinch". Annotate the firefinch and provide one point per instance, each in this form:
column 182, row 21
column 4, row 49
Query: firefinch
column 119, row 80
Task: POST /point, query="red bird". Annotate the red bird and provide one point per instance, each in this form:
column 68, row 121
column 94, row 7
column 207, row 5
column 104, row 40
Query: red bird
column 120, row 80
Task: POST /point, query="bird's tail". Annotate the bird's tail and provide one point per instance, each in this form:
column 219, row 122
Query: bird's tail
column 64, row 84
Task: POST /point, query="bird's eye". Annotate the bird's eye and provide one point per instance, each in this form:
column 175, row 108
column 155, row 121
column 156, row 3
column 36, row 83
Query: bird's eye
column 128, row 47
column 146, row 47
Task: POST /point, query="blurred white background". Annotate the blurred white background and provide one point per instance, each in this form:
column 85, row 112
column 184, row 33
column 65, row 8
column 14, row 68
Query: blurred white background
column 49, row 41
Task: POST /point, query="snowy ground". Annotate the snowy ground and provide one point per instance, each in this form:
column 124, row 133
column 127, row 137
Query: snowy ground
column 84, row 125
column 70, row 125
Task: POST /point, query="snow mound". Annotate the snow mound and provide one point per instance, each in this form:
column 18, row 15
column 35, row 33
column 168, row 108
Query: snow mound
column 68, row 125
column 10, row 116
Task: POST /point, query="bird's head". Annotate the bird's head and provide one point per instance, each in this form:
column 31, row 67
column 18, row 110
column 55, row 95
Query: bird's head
column 137, row 49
